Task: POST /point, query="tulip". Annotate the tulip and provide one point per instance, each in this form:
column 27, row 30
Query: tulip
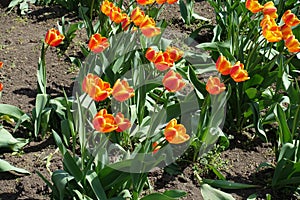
column 286, row 31
column 121, row 90
column 173, row 81
column 53, row 37
column 1, row 64
column 145, row 2
column 290, row 19
column 171, row 1
column 104, row 122
column 148, row 28
column 95, row 87
column 174, row 53
column 151, row 54
column 161, row 1
column 272, row 34
column 238, row 74
column 155, row 147
column 162, row 61
column 292, row 44
column 116, row 15
column 214, row 86
column 125, row 22
column 254, row 6
column 122, row 123
column 223, row 65
column 97, row 43
column 106, row 7
column 175, row 133
column 1, row 87
column 150, row 31
column 137, row 16
column 267, row 21
column 270, row 9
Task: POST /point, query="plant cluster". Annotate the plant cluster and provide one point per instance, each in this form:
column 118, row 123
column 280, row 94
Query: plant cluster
column 138, row 102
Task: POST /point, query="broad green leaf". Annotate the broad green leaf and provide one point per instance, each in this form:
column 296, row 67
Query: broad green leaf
column 7, row 141
column 5, row 167
column 96, row 186
column 60, row 179
column 12, row 111
column 224, row 184
column 157, row 196
column 210, row 193
column 175, row 193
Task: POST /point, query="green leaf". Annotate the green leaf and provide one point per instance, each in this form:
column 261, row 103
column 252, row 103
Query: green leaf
column 7, row 141
column 157, row 196
column 284, row 131
column 224, row 184
column 5, row 167
column 12, row 111
column 95, row 184
column 210, row 193
column 175, row 193
column 60, row 179
column 197, row 84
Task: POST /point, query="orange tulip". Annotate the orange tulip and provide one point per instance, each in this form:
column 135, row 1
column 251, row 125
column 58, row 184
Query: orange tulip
column 137, row 16
column 155, row 147
column 96, row 88
column 286, row 31
column 122, row 123
column 1, row 64
column 97, row 43
column 53, row 37
column 254, row 6
column 270, row 9
column 267, row 21
column 171, row 1
column 145, row 2
column 104, row 122
column 223, row 65
column 1, row 87
column 125, row 22
column 173, row 81
column 238, row 74
column 106, row 7
column 161, row 1
column 272, row 34
column 116, row 15
column 175, row 133
column 214, row 86
column 148, row 28
column 174, row 53
column 121, row 90
column 292, row 44
column 290, row 19
column 162, row 61
column 151, row 54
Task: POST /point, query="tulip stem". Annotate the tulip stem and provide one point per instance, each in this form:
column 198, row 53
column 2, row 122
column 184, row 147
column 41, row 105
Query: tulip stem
column 91, row 11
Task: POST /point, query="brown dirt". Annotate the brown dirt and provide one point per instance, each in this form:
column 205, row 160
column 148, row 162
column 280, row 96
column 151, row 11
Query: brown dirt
column 20, row 44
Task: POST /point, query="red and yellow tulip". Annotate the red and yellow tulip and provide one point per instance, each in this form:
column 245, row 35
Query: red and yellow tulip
column 53, row 37
column 254, row 6
column 97, row 43
column 292, row 44
column 173, row 81
column 104, row 122
column 174, row 53
column 290, row 19
column 175, row 133
column 270, row 9
column 122, row 123
column 214, row 86
column 238, row 74
column 122, row 91
column 223, row 65
column 95, row 87
column 163, row 61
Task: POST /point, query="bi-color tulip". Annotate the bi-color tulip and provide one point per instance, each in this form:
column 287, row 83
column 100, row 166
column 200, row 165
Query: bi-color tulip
column 173, row 81
column 175, row 133
column 122, row 123
column 104, row 122
column 214, row 86
column 122, row 91
column 97, row 43
column 53, row 37
column 254, row 6
column 238, row 73
column 95, row 87
column 223, row 65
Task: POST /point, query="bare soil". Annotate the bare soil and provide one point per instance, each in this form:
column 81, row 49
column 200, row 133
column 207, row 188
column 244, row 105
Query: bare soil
column 20, row 43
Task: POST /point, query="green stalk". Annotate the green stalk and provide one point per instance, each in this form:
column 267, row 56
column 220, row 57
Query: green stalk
column 91, row 11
